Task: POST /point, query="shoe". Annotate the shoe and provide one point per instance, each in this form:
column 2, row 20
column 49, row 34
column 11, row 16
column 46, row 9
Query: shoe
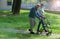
column 46, row 30
column 48, row 33
column 39, row 32
column 31, row 32
column 29, row 29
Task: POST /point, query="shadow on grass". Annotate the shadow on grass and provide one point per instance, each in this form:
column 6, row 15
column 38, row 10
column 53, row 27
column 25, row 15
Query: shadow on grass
column 8, row 12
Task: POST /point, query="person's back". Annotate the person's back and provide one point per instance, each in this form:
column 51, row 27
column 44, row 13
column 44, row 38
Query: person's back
column 32, row 12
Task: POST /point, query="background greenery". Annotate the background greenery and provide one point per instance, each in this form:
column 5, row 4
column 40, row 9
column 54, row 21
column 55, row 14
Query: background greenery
column 21, row 22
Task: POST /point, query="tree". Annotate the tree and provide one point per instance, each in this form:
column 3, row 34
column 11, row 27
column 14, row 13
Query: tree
column 16, row 6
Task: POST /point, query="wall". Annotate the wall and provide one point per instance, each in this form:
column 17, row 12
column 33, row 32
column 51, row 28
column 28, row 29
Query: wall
column 4, row 6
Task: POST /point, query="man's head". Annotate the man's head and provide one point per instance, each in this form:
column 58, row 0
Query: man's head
column 38, row 5
column 41, row 5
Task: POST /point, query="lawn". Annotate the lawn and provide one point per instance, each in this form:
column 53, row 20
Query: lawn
column 21, row 22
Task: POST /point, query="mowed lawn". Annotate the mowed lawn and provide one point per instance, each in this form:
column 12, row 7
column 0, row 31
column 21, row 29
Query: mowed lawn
column 21, row 22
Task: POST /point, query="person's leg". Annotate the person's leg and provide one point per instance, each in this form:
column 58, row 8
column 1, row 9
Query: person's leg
column 39, row 26
column 44, row 25
column 38, row 29
column 32, row 24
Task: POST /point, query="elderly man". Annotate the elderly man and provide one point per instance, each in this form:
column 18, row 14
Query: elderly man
column 32, row 16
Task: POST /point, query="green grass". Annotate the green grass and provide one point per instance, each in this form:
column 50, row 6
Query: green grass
column 22, row 22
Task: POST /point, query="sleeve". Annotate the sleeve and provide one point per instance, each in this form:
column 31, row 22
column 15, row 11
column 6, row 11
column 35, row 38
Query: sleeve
column 38, row 15
column 43, row 9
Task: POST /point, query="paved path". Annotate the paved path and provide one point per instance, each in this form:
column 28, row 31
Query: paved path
column 14, row 30
column 26, row 32
column 55, row 35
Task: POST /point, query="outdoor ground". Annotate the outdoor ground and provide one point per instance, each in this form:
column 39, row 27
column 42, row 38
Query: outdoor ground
column 11, row 24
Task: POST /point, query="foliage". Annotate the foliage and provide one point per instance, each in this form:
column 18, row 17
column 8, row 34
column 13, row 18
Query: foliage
column 21, row 22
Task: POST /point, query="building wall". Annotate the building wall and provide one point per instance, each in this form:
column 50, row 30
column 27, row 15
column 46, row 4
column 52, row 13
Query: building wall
column 0, row 4
column 27, row 5
column 4, row 6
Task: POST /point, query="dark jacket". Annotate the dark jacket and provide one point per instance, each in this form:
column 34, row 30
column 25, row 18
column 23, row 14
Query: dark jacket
column 32, row 13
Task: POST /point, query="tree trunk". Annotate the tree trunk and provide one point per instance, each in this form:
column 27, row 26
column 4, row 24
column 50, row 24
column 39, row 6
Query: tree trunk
column 16, row 6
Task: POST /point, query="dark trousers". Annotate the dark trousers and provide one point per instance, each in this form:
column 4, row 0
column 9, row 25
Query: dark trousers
column 43, row 24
